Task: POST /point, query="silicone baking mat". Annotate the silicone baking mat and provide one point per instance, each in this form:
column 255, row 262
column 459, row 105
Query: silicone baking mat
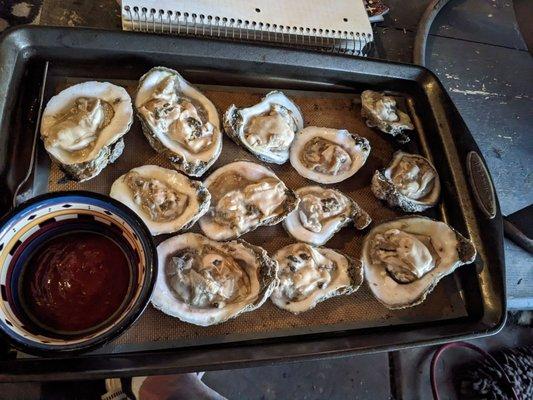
column 155, row 330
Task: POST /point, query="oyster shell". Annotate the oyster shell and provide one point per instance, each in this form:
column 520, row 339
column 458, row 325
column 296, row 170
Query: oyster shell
column 204, row 282
column 321, row 213
column 178, row 121
column 166, row 200
column 410, row 182
column 245, row 195
column 327, row 155
column 309, row 275
column 404, row 259
column 266, row 129
column 380, row 111
column 82, row 127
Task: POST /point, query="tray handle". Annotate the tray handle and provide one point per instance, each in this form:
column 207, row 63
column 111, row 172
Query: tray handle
column 481, row 184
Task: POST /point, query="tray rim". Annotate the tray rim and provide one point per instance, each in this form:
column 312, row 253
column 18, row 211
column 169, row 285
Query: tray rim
column 28, row 41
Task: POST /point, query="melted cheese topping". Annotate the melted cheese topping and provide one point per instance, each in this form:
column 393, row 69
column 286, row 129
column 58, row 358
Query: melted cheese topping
column 177, row 117
column 304, row 272
column 315, row 209
column 413, row 178
column 385, row 109
column 273, row 130
column 207, row 278
column 77, row 128
column 325, row 157
column 160, row 202
column 405, row 256
column 242, row 204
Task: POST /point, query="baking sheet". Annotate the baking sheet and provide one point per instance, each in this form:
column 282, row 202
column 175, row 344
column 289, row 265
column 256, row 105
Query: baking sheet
column 155, row 330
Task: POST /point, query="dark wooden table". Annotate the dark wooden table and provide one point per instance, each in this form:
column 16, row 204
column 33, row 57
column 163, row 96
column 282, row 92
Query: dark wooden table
column 477, row 51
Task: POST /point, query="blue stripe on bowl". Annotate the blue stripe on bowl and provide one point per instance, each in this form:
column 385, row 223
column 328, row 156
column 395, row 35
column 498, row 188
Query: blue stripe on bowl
column 46, row 203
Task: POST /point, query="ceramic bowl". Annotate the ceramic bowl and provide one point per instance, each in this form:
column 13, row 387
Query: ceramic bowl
column 40, row 219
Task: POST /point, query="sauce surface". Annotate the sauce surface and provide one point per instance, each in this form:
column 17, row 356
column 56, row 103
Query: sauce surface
column 75, row 281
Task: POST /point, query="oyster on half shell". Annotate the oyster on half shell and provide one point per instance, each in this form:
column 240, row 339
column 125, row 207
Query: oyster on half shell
column 244, row 196
column 166, row 200
column 327, row 155
column 404, row 259
column 178, row 121
column 204, row 282
column 410, row 182
column 380, row 111
column 82, row 127
column 321, row 213
column 309, row 275
column 266, row 129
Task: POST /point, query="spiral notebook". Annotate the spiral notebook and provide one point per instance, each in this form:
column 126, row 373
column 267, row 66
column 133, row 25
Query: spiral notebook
column 340, row 26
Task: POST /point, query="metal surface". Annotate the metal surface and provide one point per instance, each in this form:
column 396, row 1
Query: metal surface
column 114, row 55
column 156, row 331
column 481, row 184
column 21, row 192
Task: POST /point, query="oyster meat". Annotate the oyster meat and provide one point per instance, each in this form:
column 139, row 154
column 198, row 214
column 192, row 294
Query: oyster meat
column 410, row 182
column 204, row 282
column 166, row 200
column 404, row 259
column 309, row 275
column 245, row 195
column 178, row 121
column 82, row 127
column 380, row 111
column 327, row 155
column 266, row 129
column 321, row 213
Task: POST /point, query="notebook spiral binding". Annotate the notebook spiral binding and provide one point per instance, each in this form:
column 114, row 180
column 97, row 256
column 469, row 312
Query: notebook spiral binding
column 154, row 20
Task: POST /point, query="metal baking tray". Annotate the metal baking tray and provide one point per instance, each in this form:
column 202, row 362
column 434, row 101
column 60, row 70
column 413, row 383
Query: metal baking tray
column 37, row 62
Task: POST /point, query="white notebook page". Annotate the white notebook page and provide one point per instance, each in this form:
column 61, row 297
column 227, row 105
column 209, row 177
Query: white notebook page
column 332, row 15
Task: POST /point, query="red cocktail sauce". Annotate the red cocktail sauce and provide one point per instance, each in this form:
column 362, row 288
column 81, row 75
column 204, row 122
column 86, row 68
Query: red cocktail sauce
column 75, row 281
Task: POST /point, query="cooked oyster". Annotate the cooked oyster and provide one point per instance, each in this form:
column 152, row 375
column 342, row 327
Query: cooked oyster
column 166, row 200
column 204, row 282
column 309, row 275
column 82, row 127
column 410, row 182
column 327, row 155
column 245, row 195
column 178, row 121
column 266, row 129
column 404, row 259
column 380, row 111
column 321, row 213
